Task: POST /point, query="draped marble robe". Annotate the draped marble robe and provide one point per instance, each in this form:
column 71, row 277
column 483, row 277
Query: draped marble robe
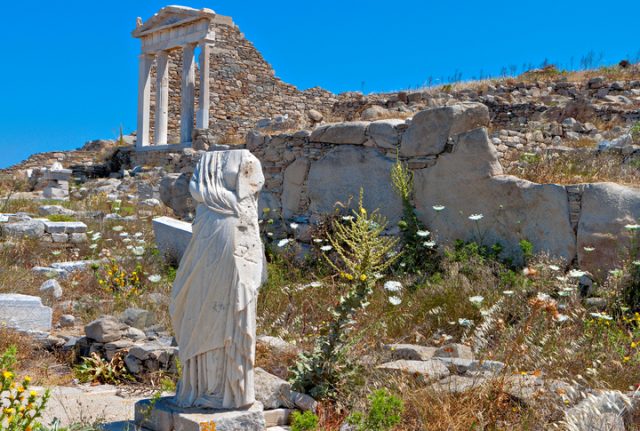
column 213, row 301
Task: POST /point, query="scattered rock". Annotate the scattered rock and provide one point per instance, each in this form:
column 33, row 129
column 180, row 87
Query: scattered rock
column 52, row 287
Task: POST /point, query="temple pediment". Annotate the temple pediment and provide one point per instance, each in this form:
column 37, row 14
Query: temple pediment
column 174, row 26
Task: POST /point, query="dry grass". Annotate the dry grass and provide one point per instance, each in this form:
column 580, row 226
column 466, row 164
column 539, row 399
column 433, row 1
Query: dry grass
column 578, row 167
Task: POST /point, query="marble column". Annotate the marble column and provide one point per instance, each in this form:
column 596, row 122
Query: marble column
column 202, row 118
column 144, row 99
column 187, row 93
column 162, row 98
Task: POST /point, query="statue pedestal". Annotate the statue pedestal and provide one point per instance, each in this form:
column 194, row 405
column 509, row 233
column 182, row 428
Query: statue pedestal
column 163, row 415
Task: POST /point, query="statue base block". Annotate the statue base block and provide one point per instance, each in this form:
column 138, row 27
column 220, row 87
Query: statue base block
column 163, row 415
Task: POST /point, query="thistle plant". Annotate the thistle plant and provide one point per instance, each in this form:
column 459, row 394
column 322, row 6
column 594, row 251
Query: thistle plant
column 19, row 407
column 360, row 254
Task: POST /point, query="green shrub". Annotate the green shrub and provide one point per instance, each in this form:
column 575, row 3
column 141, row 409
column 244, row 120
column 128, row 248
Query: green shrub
column 95, row 369
column 306, row 421
column 20, row 407
column 384, row 413
column 361, row 254
column 60, row 217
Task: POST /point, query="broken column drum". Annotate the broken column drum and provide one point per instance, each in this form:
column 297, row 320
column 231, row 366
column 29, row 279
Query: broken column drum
column 213, row 303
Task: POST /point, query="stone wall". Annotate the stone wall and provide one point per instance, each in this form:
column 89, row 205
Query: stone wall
column 455, row 165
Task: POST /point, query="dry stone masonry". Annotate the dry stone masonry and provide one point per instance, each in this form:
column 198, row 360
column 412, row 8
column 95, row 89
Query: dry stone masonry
column 311, row 173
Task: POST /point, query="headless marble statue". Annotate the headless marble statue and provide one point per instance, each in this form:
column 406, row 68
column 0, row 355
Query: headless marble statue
column 213, row 302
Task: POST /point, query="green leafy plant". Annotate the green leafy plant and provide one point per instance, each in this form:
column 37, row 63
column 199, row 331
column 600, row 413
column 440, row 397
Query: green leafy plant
column 95, row 369
column 306, row 421
column 635, row 132
column 19, row 407
column 360, row 254
column 526, row 247
column 385, row 411
column 60, row 217
column 419, row 249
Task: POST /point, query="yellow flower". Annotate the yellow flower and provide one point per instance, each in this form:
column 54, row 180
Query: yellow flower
column 33, row 393
column 626, row 359
column 348, row 276
column 20, row 389
column 363, row 277
column 27, row 379
column 634, row 344
column 7, row 374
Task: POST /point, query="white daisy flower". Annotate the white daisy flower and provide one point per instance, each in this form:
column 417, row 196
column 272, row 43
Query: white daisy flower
column 317, row 240
column 423, row 233
column 632, row 226
column 554, row 267
column 154, row 278
column 438, row 207
column 602, row 316
column 294, row 226
column 429, row 244
column 576, row 273
column 283, row 242
column 138, row 251
column 394, row 300
column 326, row 248
column 561, row 318
column 347, row 218
column 393, row 286
column 476, row 217
column 507, row 292
column 93, row 246
column 588, row 249
column 476, row 299
column 117, row 228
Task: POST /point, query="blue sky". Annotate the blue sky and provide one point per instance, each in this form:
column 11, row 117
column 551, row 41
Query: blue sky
column 68, row 72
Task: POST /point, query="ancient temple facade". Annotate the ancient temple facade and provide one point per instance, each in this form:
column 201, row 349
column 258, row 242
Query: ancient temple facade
column 197, row 71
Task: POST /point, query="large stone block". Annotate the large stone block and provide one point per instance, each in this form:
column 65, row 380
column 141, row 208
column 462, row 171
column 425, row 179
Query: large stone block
column 29, row 228
column 294, row 177
column 353, row 132
column 468, row 181
column 64, row 226
column 172, row 236
column 24, row 313
column 606, row 209
column 384, row 133
column 430, row 129
column 163, row 415
column 343, row 171
column 272, row 391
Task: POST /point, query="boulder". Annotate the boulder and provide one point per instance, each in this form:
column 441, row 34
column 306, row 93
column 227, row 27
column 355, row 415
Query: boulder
column 174, row 193
column 385, row 133
column 352, row 132
column 276, row 345
column 454, row 350
column 430, row 129
column 606, row 209
column 52, row 287
column 24, row 313
column 374, row 113
column 46, row 210
column 411, row 352
column 338, row 177
column 105, row 329
column 294, row 177
column 64, row 226
column 28, row 228
column 468, row 182
column 138, row 318
column 271, row 391
column 427, row 370
column 314, row 116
